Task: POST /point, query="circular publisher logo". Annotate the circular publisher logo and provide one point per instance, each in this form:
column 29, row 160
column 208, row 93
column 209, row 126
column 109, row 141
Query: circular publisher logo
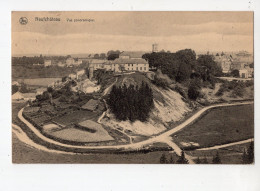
column 23, row 20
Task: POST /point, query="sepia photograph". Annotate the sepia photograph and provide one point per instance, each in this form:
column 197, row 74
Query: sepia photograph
column 132, row 87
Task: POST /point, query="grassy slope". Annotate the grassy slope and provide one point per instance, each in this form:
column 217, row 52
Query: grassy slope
column 220, row 126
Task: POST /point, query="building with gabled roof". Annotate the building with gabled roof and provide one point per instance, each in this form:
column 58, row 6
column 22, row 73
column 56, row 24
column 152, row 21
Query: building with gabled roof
column 132, row 54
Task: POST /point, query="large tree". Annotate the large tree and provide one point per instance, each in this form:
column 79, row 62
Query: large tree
column 112, row 55
column 208, row 67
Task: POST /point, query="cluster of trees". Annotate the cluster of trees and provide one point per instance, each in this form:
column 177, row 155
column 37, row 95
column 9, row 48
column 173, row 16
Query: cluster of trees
column 180, row 160
column 112, row 55
column 23, row 88
column 215, row 160
column 247, row 158
column 194, row 89
column 15, row 89
column 177, row 65
column 183, row 66
column 100, row 56
column 27, row 60
column 202, row 161
column 237, row 87
column 132, row 102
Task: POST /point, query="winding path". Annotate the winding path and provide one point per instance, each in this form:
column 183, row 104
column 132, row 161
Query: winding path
column 226, row 145
column 164, row 137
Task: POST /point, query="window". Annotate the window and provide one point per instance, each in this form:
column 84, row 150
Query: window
column 140, row 68
column 144, row 68
column 128, row 64
column 136, row 68
column 132, row 64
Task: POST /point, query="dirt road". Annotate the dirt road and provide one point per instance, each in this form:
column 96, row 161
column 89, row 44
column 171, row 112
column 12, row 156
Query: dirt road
column 164, row 137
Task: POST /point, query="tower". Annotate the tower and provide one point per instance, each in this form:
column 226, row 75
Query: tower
column 155, row 47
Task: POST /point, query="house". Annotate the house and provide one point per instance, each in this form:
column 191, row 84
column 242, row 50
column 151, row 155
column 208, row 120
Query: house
column 47, row 63
column 23, row 96
column 79, row 62
column 132, row 64
column 72, row 76
column 60, row 64
column 80, row 73
column 243, row 73
column 29, row 96
column 224, row 62
column 91, row 105
column 107, row 66
column 15, row 83
column 17, row 96
column 70, row 61
column 130, row 61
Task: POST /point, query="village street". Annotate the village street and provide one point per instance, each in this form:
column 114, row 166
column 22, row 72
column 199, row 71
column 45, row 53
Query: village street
column 163, row 138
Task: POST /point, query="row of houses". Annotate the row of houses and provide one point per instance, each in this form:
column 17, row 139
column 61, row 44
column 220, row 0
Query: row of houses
column 69, row 62
column 241, row 61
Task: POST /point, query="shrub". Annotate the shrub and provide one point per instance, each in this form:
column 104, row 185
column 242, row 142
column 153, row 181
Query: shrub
column 182, row 159
column 163, row 159
column 249, row 83
column 235, row 73
column 238, row 91
column 15, row 89
column 216, row 159
column 181, row 91
column 194, row 90
column 160, row 82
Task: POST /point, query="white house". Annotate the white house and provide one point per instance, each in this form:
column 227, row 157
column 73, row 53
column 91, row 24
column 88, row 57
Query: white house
column 80, row 73
column 243, row 73
column 47, row 63
column 120, row 65
column 26, row 96
column 73, row 76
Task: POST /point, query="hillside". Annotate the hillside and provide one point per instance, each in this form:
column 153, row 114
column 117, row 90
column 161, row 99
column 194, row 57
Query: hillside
column 168, row 107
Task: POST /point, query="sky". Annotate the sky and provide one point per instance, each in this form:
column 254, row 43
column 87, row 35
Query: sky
column 132, row 31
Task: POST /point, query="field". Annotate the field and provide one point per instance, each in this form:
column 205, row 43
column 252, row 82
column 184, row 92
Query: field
column 22, row 153
column 43, row 82
column 219, row 126
column 228, row 155
column 76, row 117
column 78, row 135
column 28, row 71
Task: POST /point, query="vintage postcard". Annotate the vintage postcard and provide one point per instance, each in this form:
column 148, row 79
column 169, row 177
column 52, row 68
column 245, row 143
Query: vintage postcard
column 133, row 87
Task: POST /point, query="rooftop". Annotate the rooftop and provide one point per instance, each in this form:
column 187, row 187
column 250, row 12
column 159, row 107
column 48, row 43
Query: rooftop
column 129, row 61
column 133, row 54
column 90, row 105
